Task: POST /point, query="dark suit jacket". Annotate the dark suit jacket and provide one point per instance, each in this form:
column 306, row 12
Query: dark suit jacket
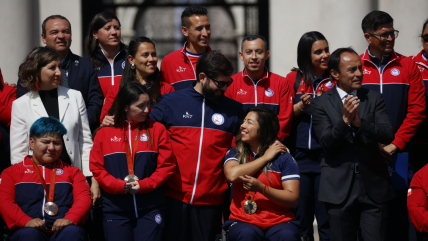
column 81, row 77
column 341, row 148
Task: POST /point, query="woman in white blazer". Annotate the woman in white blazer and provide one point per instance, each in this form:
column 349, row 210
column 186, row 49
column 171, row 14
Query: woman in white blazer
column 41, row 73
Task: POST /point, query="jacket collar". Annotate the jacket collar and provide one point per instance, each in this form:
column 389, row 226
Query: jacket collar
column 420, row 59
column 366, row 55
column 183, row 50
column 265, row 74
column 63, row 102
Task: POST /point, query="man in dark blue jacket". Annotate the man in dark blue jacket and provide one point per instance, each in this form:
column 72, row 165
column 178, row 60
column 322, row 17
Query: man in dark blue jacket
column 77, row 72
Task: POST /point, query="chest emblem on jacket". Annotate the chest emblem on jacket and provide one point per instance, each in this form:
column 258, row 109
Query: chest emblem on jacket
column 59, row 171
column 28, row 171
column 180, row 69
column 123, row 65
column 115, row 139
column 268, row 92
column 241, row 92
column 329, row 84
column 421, row 68
column 395, row 72
column 217, row 119
column 187, row 115
column 366, row 71
column 143, row 137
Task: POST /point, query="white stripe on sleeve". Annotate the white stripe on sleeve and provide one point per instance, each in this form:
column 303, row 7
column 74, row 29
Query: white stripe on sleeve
column 230, row 159
column 295, row 176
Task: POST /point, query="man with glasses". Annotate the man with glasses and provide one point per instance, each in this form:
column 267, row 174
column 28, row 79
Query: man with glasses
column 202, row 123
column 256, row 86
column 399, row 80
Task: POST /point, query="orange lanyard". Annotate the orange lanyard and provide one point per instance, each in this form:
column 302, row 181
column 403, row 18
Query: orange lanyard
column 49, row 192
column 130, row 157
column 251, row 193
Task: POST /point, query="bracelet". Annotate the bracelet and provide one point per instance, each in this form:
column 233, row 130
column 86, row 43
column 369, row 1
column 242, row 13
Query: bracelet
column 299, row 107
column 263, row 191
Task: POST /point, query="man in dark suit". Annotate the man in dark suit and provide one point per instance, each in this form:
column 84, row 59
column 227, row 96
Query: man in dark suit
column 351, row 123
column 77, row 73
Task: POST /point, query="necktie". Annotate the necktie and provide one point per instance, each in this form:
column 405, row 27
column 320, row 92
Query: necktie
column 64, row 75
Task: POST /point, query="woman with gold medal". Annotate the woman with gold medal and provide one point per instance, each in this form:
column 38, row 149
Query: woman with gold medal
column 42, row 197
column 265, row 181
column 131, row 160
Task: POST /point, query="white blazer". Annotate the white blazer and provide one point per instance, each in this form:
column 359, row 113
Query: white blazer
column 72, row 114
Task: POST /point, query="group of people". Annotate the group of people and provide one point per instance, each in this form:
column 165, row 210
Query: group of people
column 183, row 152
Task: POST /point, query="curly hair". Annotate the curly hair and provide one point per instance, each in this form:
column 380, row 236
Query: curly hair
column 38, row 58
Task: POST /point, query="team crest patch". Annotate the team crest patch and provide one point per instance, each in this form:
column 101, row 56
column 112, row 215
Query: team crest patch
column 143, row 137
column 395, row 72
column 158, row 218
column 123, row 65
column 269, row 92
column 59, row 171
column 329, row 84
column 409, row 192
column 227, row 152
column 217, row 119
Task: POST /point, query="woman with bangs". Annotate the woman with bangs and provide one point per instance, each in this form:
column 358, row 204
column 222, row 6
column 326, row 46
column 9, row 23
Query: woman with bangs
column 265, row 181
column 131, row 160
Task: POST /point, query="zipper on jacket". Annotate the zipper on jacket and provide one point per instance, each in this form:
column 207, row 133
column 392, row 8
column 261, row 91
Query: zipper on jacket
column 255, row 93
column 44, row 195
column 310, row 135
column 200, row 151
column 194, row 72
column 380, row 73
column 130, row 147
column 111, row 65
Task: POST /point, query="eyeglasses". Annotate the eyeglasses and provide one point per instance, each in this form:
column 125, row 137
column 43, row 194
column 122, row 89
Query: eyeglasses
column 425, row 37
column 393, row 34
column 220, row 84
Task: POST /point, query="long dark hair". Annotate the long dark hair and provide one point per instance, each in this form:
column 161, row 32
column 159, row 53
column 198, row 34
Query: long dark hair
column 92, row 44
column 130, row 75
column 304, row 49
column 267, row 135
column 423, row 27
column 128, row 94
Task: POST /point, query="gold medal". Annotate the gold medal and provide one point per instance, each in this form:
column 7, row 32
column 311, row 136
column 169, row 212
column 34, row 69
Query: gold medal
column 131, row 178
column 50, row 208
column 250, row 207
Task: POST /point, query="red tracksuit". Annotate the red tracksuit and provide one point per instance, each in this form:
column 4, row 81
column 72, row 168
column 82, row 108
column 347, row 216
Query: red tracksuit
column 417, row 200
column 22, row 195
column 401, row 86
column 271, row 92
column 178, row 70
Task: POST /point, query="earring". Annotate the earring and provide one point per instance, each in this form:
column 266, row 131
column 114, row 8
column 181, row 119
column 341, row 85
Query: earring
column 132, row 66
column 37, row 83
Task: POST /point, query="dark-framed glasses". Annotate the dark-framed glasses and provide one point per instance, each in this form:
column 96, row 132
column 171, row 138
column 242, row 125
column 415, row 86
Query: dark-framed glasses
column 393, row 34
column 220, row 84
column 425, row 37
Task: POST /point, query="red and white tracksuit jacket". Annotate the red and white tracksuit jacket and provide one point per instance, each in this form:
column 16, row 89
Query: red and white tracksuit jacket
column 22, row 195
column 417, row 200
column 401, row 86
column 421, row 135
column 271, row 92
column 177, row 69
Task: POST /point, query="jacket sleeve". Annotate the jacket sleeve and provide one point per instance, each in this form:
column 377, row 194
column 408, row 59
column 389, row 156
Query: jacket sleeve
column 165, row 163
column 10, row 211
column 8, row 95
column 417, row 201
column 108, row 102
column 95, row 99
column 18, row 133
column 78, row 213
column 285, row 113
column 416, row 103
column 85, row 138
column 159, row 111
column 107, row 182
column 381, row 131
column 331, row 135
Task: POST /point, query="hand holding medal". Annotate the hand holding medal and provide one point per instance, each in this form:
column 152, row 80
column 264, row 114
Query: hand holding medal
column 131, row 185
column 252, row 185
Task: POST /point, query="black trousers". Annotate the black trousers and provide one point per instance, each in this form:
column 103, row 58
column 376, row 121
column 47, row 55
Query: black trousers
column 309, row 206
column 191, row 222
column 358, row 213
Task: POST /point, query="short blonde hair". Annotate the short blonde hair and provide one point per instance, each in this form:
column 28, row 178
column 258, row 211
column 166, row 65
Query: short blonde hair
column 38, row 58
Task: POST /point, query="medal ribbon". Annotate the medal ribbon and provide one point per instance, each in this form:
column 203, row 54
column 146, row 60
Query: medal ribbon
column 251, row 193
column 49, row 192
column 130, row 157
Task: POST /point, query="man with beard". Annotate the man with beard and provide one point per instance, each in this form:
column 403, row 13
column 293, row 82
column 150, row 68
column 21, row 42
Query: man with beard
column 256, row 86
column 202, row 123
